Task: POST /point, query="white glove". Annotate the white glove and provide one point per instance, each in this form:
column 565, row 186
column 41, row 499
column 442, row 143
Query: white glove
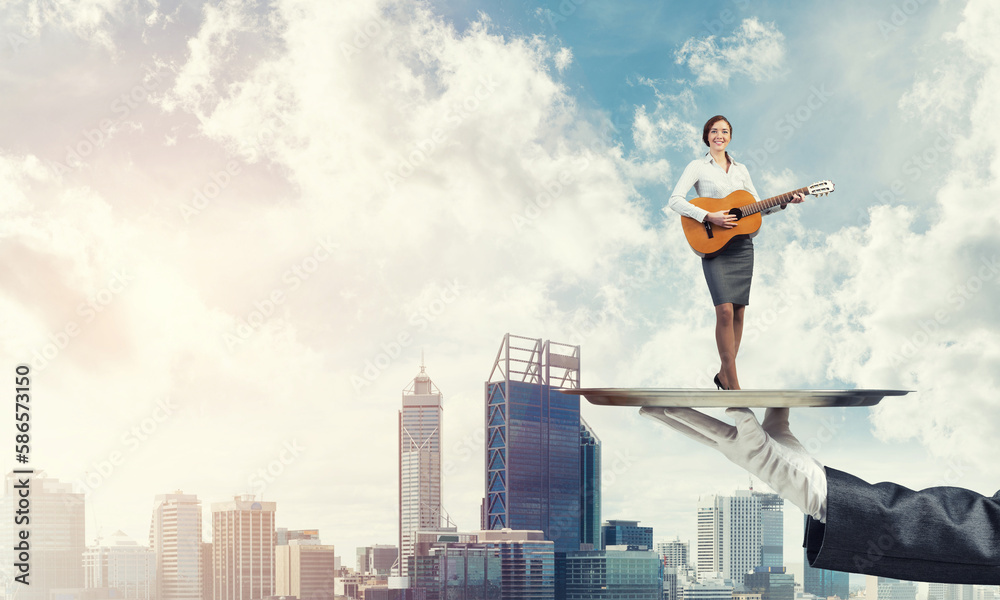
column 770, row 451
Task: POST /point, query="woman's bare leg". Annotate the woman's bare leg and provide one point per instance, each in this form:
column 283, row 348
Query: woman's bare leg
column 726, row 340
column 738, row 311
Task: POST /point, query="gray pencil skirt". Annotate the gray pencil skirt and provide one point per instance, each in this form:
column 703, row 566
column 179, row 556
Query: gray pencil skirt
column 728, row 274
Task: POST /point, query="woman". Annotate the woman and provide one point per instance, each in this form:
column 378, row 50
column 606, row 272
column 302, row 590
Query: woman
column 728, row 274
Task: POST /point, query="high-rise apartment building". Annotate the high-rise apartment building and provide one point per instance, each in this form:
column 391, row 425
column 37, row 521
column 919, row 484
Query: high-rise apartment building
column 175, row 538
column 533, row 441
column 121, row 565
column 420, row 422
column 305, row 569
column 243, row 537
column 674, row 553
column 590, row 481
column 732, row 531
column 56, row 530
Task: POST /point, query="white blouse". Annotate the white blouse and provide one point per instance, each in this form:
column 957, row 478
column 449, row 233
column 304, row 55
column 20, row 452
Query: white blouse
column 710, row 181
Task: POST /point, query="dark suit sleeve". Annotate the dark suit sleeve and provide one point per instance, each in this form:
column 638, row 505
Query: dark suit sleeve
column 942, row 534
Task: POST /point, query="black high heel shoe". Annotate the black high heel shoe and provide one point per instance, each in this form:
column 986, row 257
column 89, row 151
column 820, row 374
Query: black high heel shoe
column 719, row 383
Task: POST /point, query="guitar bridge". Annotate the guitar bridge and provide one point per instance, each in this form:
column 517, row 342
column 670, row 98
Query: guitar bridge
column 708, row 229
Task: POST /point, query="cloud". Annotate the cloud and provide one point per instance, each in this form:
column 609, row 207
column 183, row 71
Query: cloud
column 93, row 20
column 361, row 182
column 755, row 49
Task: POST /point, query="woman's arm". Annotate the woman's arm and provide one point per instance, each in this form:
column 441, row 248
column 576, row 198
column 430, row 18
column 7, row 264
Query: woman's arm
column 678, row 202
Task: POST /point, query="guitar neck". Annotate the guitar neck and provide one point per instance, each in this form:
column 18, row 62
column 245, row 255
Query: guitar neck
column 778, row 200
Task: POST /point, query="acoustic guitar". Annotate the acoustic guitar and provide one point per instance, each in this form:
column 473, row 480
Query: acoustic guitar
column 709, row 240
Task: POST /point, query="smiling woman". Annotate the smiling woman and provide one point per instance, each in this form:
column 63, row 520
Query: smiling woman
column 729, row 272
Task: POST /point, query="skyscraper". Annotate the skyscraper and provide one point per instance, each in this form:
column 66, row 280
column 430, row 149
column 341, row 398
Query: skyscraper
column 243, row 539
column 732, row 531
column 590, row 491
column 772, row 530
column 533, row 441
column 419, row 464
column 175, row 537
column 122, row 565
column 56, row 539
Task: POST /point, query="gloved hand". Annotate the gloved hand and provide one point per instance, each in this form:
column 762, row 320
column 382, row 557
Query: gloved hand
column 770, row 451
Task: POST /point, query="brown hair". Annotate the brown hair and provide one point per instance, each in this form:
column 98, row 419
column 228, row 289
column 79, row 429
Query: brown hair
column 708, row 127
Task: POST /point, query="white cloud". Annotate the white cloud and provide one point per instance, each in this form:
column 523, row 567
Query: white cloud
column 755, row 49
column 504, row 211
column 435, row 190
column 92, row 20
column 563, row 58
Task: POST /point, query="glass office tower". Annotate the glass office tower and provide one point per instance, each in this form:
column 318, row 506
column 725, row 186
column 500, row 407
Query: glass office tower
column 533, row 469
column 590, row 479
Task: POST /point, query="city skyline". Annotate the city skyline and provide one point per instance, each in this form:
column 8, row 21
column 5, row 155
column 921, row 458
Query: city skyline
column 229, row 231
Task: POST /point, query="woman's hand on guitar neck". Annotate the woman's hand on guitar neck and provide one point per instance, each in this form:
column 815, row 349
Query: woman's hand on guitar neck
column 795, row 199
column 722, row 219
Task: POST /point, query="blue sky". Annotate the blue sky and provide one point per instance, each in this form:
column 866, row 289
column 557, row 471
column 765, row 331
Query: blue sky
column 264, row 199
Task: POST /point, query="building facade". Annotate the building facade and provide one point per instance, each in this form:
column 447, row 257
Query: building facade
column 626, row 533
column 377, row 559
column 243, row 538
column 175, row 538
column 533, row 441
column 613, row 575
column 887, row 588
column 123, row 566
column 951, row 591
column 283, row 535
column 590, row 492
column 772, row 583
column 674, row 553
column 521, row 563
column 305, row 570
column 459, row 570
column 420, row 421
column 772, row 530
column 56, row 542
column 732, row 531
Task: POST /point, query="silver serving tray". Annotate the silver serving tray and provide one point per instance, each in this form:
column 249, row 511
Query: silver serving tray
column 731, row 398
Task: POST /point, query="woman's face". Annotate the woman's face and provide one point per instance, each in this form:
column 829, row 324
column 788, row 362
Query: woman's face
column 719, row 135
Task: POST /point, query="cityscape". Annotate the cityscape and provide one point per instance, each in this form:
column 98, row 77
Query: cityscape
column 542, row 534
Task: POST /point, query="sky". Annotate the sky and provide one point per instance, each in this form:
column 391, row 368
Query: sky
column 232, row 231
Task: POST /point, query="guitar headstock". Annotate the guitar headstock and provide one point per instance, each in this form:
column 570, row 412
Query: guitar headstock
column 821, row 188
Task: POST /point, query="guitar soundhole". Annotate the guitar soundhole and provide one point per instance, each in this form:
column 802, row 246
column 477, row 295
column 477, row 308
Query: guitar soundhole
column 736, row 212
